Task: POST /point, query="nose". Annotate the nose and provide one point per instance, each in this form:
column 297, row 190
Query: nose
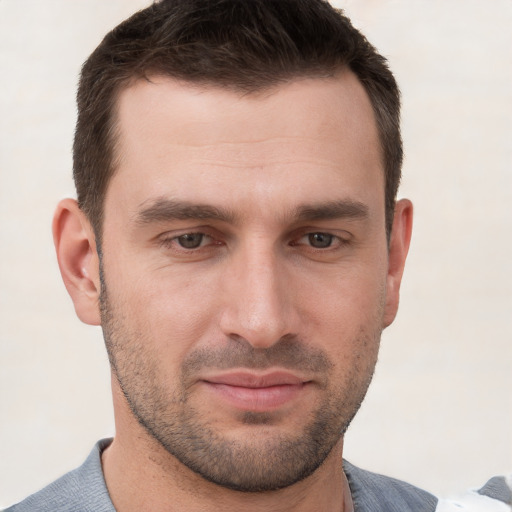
column 258, row 305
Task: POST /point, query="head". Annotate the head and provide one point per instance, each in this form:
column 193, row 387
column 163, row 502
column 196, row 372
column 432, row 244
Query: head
column 235, row 45
column 239, row 166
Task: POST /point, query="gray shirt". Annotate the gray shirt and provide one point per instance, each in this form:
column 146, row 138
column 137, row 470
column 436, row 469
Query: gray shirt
column 84, row 490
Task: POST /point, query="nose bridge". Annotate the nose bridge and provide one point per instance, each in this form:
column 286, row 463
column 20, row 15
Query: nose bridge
column 258, row 307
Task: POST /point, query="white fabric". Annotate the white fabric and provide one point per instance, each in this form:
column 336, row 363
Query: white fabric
column 471, row 501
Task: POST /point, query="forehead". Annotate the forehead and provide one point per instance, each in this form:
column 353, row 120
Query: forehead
column 182, row 139
column 299, row 108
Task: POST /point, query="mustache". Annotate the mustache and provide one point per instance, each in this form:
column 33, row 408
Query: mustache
column 288, row 352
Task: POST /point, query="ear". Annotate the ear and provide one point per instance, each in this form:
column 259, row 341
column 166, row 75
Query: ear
column 75, row 244
column 398, row 249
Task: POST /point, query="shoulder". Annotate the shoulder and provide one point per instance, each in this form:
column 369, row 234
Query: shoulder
column 372, row 492
column 80, row 490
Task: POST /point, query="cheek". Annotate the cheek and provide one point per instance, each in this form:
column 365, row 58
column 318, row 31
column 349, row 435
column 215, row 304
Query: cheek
column 345, row 321
column 345, row 304
column 171, row 309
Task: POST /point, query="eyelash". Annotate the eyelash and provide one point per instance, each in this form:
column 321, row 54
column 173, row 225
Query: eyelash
column 334, row 241
column 173, row 242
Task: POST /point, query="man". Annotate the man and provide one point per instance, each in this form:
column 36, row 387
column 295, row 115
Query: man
column 237, row 237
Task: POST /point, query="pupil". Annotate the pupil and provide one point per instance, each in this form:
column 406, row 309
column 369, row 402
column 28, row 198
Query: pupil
column 190, row 240
column 320, row 240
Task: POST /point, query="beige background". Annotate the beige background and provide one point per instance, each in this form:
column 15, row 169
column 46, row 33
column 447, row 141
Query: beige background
column 439, row 413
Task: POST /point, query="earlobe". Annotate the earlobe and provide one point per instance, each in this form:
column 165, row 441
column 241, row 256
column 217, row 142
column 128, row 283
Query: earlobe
column 398, row 248
column 77, row 255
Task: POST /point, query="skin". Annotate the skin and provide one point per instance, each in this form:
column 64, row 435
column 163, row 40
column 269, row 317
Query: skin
column 294, row 275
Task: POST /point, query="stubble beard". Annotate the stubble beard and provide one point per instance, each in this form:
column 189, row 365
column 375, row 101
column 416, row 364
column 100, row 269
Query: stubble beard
column 266, row 459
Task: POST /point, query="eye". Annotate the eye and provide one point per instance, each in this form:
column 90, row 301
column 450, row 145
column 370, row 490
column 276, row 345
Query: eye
column 188, row 242
column 320, row 240
column 191, row 240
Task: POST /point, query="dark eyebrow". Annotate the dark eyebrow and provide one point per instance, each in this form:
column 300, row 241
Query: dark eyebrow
column 162, row 210
column 332, row 210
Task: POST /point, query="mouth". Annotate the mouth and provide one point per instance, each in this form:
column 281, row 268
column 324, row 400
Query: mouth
column 256, row 392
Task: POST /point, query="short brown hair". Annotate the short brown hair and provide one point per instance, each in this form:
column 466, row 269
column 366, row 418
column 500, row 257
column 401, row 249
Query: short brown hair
column 244, row 45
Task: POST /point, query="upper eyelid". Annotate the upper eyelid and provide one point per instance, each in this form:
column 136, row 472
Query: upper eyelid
column 168, row 238
column 337, row 233
column 334, row 236
column 176, row 233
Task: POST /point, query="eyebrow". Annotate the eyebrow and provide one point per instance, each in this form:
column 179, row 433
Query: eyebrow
column 347, row 209
column 164, row 210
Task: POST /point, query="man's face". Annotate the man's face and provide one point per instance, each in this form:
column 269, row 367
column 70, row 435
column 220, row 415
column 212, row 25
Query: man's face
column 244, row 272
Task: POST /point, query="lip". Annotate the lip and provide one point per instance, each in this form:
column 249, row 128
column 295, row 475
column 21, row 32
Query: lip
column 256, row 392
